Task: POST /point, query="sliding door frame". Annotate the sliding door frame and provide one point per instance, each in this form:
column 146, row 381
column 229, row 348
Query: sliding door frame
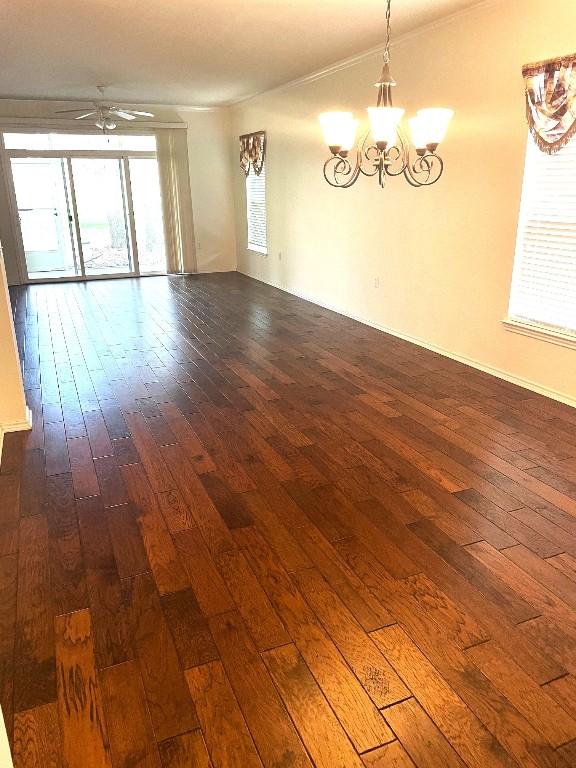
column 77, row 239
column 129, row 205
column 123, row 156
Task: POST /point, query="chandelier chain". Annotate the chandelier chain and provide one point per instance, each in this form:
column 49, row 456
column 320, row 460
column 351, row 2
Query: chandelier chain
column 388, row 32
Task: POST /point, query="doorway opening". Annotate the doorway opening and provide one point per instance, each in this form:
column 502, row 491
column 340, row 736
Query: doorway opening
column 88, row 206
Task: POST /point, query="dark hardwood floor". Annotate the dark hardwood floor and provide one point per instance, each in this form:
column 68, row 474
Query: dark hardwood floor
column 246, row 531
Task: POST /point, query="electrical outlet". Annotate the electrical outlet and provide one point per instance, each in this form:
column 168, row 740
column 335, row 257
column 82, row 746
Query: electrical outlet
column 279, row 255
column 376, row 282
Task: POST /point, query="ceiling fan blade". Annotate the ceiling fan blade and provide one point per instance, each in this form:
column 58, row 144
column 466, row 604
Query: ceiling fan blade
column 141, row 114
column 66, row 111
column 121, row 113
column 88, row 114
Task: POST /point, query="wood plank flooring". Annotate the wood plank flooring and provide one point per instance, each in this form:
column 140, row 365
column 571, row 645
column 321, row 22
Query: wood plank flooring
column 246, row 531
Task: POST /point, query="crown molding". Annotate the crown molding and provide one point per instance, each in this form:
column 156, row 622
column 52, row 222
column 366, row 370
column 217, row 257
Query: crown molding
column 90, row 102
column 369, row 53
column 187, row 108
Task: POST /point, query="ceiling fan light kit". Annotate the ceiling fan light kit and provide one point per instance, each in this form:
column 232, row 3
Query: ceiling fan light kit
column 384, row 151
column 105, row 124
column 106, row 114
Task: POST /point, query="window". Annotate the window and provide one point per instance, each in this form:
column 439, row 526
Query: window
column 256, row 211
column 544, row 279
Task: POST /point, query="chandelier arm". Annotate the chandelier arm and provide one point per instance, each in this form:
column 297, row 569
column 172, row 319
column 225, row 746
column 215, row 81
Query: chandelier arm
column 337, row 170
column 428, row 167
column 413, row 182
column 398, row 156
column 368, row 156
column 402, row 157
column 373, row 172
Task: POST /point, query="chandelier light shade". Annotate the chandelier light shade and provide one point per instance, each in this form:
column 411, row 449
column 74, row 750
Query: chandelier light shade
column 434, row 124
column 339, row 129
column 384, row 150
column 384, row 124
column 418, row 132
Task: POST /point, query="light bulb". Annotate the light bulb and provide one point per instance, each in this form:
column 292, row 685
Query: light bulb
column 384, row 122
column 339, row 129
column 434, row 124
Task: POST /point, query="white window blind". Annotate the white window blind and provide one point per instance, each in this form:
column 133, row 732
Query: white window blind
column 256, row 211
column 544, row 279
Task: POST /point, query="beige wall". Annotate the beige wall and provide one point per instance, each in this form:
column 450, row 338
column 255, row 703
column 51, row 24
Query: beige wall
column 209, row 172
column 7, row 235
column 443, row 256
column 211, row 186
column 13, row 412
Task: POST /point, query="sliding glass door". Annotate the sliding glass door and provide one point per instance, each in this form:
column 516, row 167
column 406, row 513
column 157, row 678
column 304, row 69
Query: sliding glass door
column 46, row 222
column 87, row 213
column 102, row 216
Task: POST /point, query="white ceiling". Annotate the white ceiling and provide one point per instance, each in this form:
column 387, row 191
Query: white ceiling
column 194, row 52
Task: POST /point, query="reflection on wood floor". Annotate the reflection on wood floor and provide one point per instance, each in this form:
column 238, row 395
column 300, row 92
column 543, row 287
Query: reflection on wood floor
column 247, row 531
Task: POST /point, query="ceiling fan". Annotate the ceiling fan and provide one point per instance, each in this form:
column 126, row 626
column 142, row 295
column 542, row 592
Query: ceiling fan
column 106, row 114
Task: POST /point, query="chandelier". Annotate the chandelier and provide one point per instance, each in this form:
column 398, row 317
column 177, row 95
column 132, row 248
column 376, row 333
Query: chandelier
column 384, row 150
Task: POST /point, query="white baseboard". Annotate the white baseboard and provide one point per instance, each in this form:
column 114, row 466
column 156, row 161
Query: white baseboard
column 15, row 426
column 500, row 374
column 202, row 272
column 18, row 426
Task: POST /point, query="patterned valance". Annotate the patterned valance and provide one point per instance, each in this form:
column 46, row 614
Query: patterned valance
column 551, row 102
column 253, row 152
